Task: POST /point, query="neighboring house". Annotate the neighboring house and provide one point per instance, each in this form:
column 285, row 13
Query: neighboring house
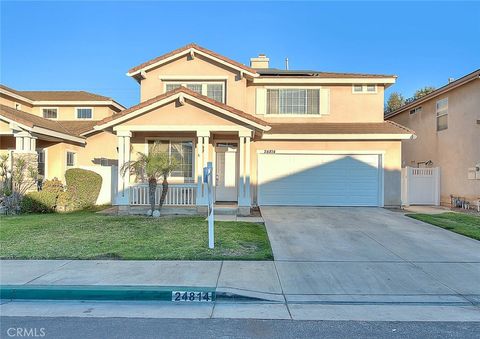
column 54, row 125
column 275, row 137
column 447, row 125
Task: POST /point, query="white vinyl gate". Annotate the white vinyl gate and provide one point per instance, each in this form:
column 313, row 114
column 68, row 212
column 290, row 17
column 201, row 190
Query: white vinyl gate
column 421, row 186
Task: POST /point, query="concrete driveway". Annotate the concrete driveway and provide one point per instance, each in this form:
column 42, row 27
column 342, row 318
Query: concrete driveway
column 370, row 254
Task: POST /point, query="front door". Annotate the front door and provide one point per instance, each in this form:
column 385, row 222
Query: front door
column 226, row 172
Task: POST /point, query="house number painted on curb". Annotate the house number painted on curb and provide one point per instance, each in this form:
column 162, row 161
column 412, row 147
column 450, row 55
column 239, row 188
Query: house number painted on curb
column 197, row 296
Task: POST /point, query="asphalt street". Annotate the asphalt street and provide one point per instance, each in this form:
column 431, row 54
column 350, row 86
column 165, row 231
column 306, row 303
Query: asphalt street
column 82, row 328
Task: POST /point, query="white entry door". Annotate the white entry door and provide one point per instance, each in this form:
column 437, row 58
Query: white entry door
column 226, row 172
column 319, row 179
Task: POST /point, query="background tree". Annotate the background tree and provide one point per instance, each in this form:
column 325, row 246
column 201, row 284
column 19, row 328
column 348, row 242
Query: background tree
column 423, row 91
column 395, row 101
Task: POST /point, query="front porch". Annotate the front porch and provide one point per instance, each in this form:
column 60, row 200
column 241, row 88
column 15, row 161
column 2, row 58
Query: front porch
column 228, row 150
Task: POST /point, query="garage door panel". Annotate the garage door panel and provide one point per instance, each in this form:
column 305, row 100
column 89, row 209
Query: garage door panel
column 318, row 180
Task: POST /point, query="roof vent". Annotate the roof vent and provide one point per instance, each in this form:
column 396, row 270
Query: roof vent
column 260, row 62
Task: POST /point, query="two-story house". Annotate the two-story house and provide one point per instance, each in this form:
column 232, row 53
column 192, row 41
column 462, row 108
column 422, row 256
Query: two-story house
column 52, row 126
column 274, row 137
column 447, row 123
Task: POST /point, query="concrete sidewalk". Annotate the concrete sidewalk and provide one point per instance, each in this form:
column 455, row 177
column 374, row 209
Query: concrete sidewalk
column 256, row 279
column 281, row 293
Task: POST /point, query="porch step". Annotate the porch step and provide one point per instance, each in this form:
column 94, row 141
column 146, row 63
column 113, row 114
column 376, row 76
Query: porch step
column 225, row 210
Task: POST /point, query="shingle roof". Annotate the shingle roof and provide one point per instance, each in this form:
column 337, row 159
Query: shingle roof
column 310, row 73
column 186, row 47
column 459, row 82
column 59, row 95
column 73, row 128
column 189, row 92
column 63, row 96
column 386, row 127
column 77, row 127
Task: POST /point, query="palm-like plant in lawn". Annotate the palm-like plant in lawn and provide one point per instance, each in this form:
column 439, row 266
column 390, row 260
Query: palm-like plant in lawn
column 152, row 167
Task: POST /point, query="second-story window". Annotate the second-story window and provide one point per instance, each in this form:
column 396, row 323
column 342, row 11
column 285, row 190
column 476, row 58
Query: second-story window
column 370, row 88
column 84, row 113
column 293, row 101
column 213, row 90
column 442, row 114
column 50, row 113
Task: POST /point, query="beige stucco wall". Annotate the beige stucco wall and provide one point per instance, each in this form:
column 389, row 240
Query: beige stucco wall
column 100, row 145
column 189, row 114
column 197, row 67
column 10, row 102
column 5, row 128
column 391, row 160
column 455, row 149
column 69, row 112
column 344, row 105
column 65, row 112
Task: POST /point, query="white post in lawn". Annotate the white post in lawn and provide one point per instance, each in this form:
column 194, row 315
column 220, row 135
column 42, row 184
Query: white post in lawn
column 209, row 181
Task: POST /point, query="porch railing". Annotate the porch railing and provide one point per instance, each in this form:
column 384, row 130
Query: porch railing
column 178, row 195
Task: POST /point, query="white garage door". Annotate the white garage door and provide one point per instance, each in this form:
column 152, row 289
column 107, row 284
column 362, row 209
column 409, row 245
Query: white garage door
column 319, row 179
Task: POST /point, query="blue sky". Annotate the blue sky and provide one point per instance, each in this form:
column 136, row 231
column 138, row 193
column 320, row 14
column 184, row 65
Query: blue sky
column 90, row 45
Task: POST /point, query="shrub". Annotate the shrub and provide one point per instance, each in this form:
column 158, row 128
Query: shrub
column 84, row 186
column 38, row 202
column 65, row 202
column 53, row 186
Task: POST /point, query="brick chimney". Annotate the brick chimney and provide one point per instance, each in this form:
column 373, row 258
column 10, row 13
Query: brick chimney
column 260, row 62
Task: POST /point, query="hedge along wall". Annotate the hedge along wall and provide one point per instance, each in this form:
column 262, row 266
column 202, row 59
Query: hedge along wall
column 109, row 176
column 83, row 186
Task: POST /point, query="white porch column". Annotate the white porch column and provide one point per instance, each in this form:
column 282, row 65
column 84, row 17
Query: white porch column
column 241, row 171
column 123, row 139
column 244, row 172
column 199, row 170
column 202, row 159
column 247, row 172
column 25, row 142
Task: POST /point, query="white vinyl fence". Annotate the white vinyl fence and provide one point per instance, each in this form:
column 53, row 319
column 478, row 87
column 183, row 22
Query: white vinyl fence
column 421, row 186
column 178, row 194
column 109, row 183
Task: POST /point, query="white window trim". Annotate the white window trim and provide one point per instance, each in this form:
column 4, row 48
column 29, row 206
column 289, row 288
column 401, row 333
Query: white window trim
column 445, row 110
column 415, row 110
column 76, row 113
column 58, row 110
column 74, row 158
column 294, row 115
column 364, row 89
column 170, row 139
column 204, row 84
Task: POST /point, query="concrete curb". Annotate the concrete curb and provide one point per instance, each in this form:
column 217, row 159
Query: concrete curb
column 69, row 292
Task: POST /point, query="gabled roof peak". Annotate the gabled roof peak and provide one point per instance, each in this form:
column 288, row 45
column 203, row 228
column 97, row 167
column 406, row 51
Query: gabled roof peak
column 182, row 93
column 190, row 48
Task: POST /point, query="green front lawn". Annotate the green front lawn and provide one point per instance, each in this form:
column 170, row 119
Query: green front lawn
column 86, row 235
column 465, row 224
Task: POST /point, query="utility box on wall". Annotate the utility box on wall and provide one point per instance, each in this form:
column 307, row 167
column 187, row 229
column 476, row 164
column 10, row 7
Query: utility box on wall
column 474, row 172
